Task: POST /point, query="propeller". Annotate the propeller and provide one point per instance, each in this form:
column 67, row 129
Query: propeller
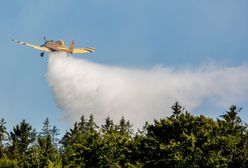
column 43, row 53
column 44, row 43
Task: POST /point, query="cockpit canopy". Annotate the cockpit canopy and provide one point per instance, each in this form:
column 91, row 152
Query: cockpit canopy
column 60, row 42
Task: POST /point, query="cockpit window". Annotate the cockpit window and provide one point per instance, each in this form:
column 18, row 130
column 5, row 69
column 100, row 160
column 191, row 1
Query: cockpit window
column 60, row 42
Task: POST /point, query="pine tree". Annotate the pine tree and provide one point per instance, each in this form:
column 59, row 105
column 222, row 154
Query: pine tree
column 46, row 129
column 108, row 126
column 124, row 127
column 231, row 116
column 21, row 140
column 3, row 134
column 177, row 109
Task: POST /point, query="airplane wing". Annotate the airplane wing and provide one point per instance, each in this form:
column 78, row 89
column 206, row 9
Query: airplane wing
column 82, row 50
column 31, row 45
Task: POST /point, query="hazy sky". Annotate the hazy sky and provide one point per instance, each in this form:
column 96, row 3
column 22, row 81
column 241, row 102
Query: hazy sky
column 137, row 34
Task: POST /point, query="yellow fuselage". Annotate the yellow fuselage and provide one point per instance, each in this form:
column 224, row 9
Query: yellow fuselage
column 58, row 46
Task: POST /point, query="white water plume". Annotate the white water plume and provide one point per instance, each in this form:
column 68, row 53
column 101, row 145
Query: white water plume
column 81, row 88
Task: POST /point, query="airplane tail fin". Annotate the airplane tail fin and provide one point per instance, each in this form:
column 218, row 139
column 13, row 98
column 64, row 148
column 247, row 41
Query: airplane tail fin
column 71, row 47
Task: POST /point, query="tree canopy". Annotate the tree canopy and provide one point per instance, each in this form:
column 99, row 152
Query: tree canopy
column 179, row 140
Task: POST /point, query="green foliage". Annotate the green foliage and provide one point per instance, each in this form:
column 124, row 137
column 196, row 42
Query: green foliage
column 50, row 131
column 184, row 140
column 56, row 164
column 21, row 138
column 81, row 144
column 180, row 140
column 3, row 134
column 7, row 163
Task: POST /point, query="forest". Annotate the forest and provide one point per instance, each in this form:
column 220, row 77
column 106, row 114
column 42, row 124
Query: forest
column 179, row 140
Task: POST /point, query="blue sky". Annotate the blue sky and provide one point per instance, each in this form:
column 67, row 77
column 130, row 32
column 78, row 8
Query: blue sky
column 139, row 34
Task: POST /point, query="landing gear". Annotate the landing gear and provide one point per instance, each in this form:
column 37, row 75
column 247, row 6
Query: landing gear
column 42, row 54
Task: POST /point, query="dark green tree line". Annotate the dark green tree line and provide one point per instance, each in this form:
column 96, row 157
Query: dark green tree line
column 179, row 140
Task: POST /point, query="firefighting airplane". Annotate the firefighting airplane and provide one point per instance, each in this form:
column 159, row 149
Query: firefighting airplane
column 59, row 46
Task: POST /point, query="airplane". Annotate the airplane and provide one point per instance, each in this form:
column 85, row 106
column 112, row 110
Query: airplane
column 59, row 46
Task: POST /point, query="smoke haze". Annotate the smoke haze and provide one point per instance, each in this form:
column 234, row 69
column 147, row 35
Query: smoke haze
column 81, row 88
